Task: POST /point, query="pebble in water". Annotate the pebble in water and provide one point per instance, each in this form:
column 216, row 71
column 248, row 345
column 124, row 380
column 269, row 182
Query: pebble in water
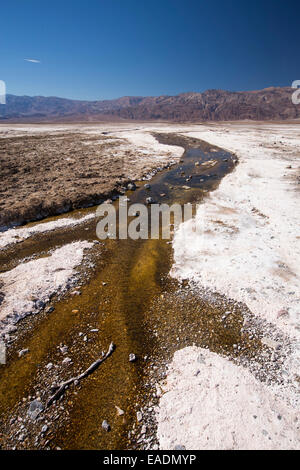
column 132, row 357
column 105, row 426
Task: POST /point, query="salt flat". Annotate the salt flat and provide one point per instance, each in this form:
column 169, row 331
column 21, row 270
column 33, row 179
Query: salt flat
column 246, row 246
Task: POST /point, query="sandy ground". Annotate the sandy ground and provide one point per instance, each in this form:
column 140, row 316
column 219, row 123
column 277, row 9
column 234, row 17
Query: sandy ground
column 246, row 245
column 48, row 170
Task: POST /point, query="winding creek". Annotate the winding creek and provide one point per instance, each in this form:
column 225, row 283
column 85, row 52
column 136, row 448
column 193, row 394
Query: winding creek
column 127, row 295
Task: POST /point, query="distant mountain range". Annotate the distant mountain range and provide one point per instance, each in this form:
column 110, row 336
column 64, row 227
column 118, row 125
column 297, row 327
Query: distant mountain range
column 211, row 105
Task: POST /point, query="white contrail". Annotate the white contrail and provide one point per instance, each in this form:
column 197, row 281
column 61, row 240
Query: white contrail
column 35, row 61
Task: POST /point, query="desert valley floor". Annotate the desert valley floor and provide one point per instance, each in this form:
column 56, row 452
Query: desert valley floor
column 205, row 325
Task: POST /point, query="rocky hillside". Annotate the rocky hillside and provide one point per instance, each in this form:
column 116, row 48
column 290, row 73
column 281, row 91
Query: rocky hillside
column 212, row 105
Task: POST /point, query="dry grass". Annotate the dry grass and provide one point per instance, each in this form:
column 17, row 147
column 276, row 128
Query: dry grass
column 52, row 173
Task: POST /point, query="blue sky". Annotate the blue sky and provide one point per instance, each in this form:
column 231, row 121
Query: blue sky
column 96, row 49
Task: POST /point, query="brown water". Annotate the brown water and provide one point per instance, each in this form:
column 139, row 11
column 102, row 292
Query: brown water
column 140, row 309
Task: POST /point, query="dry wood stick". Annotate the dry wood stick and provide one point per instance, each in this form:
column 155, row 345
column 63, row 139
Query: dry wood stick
column 60, row 389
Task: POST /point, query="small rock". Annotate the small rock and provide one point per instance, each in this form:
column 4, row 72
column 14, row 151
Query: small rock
column 35, row 408
column 179, row 447
column 149, row 200
column 49, row 366
column 147, row 186
column 139, row 416
column 120, row 412
column 144, row 429
column 44, row 429
column 67, row 361
column 39, row 304
column 105, row 426
column 64, row 349
column 131, row 186
column 23, row 352
column 76, row 292
column 49, row 309
column 132, row 357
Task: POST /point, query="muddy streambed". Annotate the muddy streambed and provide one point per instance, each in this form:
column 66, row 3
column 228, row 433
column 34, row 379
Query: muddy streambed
column 126, row 296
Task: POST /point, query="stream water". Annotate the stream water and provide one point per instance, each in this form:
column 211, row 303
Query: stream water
column 127, row 296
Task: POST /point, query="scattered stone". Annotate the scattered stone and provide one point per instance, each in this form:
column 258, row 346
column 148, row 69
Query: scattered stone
column 149, row 200
column 49, row 366
column 120, row 412
column 23, row 352
column 132, row 357
column 76, row 292
column 67, row 361
column 44, row 429
column 64, row 349
column 35, row 408
column 49, row 309
column 39, row 304
column 106, row 426
column 131, row 186
column 139, row 416
column 144, row 429
column 147, row 186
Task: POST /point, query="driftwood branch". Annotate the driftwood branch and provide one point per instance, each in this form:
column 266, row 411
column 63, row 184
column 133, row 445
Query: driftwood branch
column 60, row 389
